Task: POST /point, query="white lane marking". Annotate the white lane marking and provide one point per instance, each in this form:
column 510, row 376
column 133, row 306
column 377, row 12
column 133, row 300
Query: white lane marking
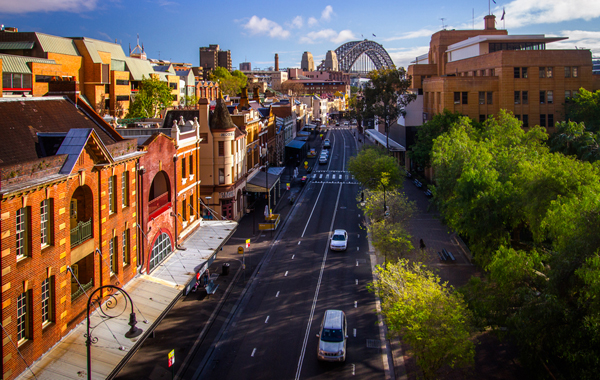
column 353, row 369
column 293, row 257
column 299, row 242
column 253, row 352
column 355, row 306
column 355, row 333
column 277, row 295
column 359, row 236
column 316, row 297
column 311, row 213
column 333, row 176
column 355, row 280
column 357, row 248
column 267, row 320
column 286, row 272
column 356, row 262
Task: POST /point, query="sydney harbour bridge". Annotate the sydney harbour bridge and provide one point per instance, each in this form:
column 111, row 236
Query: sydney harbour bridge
column 361, row 57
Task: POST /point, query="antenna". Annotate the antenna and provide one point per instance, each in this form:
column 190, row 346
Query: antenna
column 443, row 25
column 473, row 18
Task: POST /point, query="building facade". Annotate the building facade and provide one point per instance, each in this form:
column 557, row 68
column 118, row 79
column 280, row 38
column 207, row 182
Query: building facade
column 212, row 57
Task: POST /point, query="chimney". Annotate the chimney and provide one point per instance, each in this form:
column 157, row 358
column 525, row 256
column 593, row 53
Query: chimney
column 256, row 94
column 276, row 62
column 204, row 107
column 490, row 22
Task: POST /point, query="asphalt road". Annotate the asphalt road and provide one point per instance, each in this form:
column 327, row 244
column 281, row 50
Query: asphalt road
column 272, row 333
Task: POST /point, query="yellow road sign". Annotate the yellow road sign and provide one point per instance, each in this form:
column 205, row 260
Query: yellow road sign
column 241, row 250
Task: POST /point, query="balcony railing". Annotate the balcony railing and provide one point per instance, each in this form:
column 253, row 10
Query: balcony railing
column 82, row 289
column 81, row 233
column 158, row 205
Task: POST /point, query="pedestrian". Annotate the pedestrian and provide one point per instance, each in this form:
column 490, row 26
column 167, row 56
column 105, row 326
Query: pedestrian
column 421, row 244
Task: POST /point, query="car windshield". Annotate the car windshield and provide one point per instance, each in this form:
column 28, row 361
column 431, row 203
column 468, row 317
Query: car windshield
column 332, row 335
column 338, row 237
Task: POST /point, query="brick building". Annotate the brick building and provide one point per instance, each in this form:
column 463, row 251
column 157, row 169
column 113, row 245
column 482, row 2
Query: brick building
column 68, row 208
column 479, row 72
column 212, row 57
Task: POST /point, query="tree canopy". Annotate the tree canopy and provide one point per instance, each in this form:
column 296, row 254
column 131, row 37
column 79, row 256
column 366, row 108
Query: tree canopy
column 230, row 83
column 375, row 169
column 420, row 152
column 584, row 107
column 151, row 99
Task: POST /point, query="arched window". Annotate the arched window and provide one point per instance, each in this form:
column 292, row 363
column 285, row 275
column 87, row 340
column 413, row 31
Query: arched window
column 160, row 250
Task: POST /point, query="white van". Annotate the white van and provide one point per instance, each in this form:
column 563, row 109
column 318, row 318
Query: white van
column 323, row 158
column 332, row 337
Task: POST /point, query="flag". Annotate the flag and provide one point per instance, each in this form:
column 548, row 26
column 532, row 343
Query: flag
column 374, row 35
column 503, row 13
column 494, row 1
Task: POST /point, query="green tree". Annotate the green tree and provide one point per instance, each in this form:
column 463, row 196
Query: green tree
column 386, row 96
column 572, row 139
column 190, row 100
column 375, row 169
column 420, row 152
column 584, row 108
column 356, row 107
column 151, row 99
column 230, row 83
column 427, row 314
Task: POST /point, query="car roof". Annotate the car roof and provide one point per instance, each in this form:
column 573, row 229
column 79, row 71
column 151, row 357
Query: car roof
column 333, row 319
column 339, row 232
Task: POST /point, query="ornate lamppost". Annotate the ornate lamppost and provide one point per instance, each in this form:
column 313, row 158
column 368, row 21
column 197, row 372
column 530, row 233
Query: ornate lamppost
column 106, row 309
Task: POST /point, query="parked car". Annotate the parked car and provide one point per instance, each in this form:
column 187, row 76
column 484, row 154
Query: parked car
column 333, row 336
column 339, row 240
column 326, row 143
column 312, row 153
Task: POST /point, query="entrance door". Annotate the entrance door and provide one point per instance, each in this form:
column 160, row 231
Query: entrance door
column 227, row 209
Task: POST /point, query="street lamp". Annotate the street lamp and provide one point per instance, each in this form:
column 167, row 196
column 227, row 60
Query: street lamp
column 382, row 185
column 133, row 332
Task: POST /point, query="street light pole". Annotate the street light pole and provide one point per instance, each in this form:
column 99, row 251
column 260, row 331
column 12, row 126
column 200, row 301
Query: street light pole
column 133, row 332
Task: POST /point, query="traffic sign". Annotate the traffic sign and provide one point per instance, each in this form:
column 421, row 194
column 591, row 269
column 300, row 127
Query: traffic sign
column 241, row 250
column 247, row 243
column 171, row 358
column 287, row 186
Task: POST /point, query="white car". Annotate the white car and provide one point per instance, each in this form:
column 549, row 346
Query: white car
column 333, row 335
column 339, row 240
column 323, row 158
column 326, row 143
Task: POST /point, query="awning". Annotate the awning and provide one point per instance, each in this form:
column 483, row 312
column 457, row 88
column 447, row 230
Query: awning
column 259, row 184
column 295, row 144
column 380, row 138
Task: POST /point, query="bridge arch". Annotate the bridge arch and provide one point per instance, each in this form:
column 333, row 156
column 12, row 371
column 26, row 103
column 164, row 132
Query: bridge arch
column 350, row 52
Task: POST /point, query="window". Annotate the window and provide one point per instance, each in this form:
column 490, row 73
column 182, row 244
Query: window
column 465, row 98
column 122, row 98
column 492, row 72
column 457, row 98
column 122, row 82
column 567, row 94
column 525, row 121
column 221, row 176
column 517, row 97
column 191, row 205
column 43, row 78
column 204, row 138
column 183, row 174
column 191, row 163
column 22, row 234
column 481, row 97
column 517, row 72
column 125, row 188
column 518, row 117
column 546, row 72
column 112, row 247
column 125, row 247
column 481, row 118
column 221, row 148
column 16, row 81
column 542, row 97
column 525, row 97
column 173, row 86
column 490, row 97
column 550, row 96
column 542, row 120
column 550, row 120
column 542, row 72
column 22, row 317
column 523, row 72
column 46, row 215
column 184, row 210
column 574, row 72
column 47, row 300
column 567, row 72
column 160, row 250
column 112, row 194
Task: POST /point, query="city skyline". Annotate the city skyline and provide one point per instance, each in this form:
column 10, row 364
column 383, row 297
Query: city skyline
column 254, row 34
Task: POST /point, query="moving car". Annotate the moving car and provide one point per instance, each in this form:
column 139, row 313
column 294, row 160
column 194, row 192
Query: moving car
column 323, row 157
column 326, row 143
column 339, row 240
column 332, row 337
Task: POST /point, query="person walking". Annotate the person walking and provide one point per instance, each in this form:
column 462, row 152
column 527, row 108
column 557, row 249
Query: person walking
column 421, row 244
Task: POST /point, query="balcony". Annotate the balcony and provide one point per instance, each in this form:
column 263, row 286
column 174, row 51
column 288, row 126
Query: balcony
column 84, row 288
column 81, row 233
column 158, row 205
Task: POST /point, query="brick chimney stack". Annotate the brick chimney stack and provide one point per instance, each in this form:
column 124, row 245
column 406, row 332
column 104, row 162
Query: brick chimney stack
column 490, row 22
column 276, row 62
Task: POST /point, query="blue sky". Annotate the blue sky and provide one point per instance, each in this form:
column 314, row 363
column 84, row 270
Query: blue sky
column 255, row 31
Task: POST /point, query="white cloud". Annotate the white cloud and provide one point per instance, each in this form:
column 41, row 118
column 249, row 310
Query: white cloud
column 526, row 12
column 582, row 39
column 297, row 22
column 327, row 12
column 263, row 26
column 312, row 21
column 328, row 35
column 404, row 56
column 76, row 6
column 410, row 35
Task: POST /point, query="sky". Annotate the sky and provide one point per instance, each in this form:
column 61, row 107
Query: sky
column 174, row 30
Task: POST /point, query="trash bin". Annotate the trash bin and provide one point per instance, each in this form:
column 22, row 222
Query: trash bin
column 225, row 270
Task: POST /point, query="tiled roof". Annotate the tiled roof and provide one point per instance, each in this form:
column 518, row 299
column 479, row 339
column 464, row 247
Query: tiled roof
column 23, row 118
column 16, row 45
column 59, row 45
column 18, row 64
column 139, row 68
column 94, row 46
